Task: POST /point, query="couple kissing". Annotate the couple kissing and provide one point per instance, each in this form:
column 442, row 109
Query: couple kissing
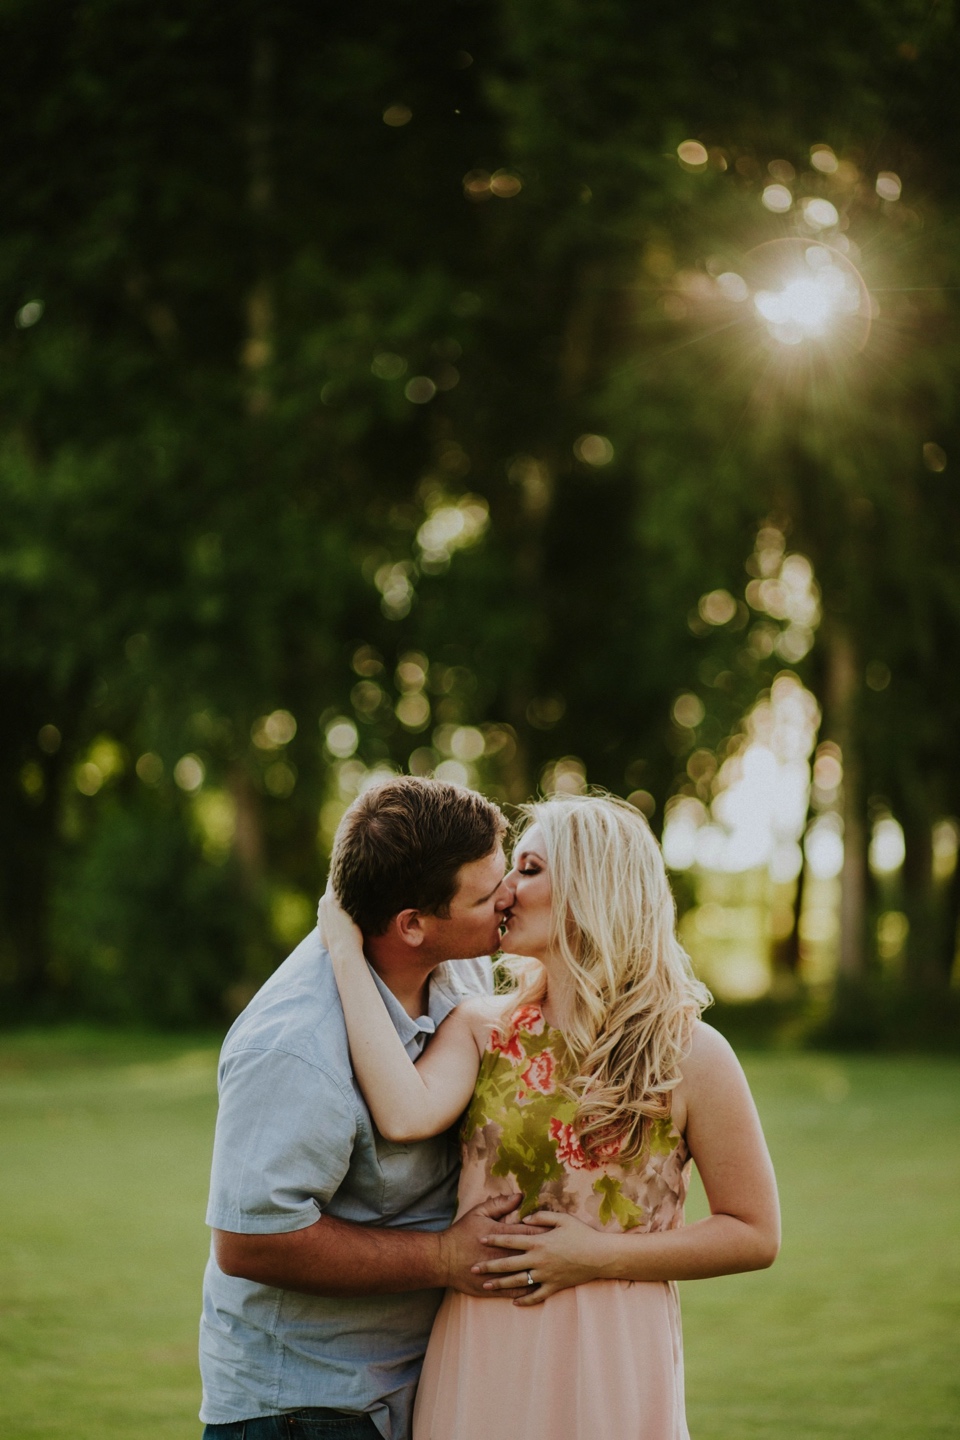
column 379, row 1270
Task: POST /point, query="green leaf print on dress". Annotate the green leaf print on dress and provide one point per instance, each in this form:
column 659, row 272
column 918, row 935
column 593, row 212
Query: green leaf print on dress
column 614, row 1205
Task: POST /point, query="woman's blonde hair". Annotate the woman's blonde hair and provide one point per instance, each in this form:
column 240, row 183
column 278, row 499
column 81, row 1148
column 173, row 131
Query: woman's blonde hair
column 635, row 997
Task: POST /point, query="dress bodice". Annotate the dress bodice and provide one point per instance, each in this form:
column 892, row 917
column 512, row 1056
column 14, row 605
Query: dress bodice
column 518, row 1135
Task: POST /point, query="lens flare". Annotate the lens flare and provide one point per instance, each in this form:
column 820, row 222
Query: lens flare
column 804, row 291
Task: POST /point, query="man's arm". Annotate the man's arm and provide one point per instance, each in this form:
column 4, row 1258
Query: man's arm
column 335, row 1258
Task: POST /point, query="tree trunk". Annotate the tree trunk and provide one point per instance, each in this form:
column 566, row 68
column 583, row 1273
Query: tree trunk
column 786, row 952
column 842, row 687
column 921, row 903
column 258, row 345
column 950, row 932
column 248, row 844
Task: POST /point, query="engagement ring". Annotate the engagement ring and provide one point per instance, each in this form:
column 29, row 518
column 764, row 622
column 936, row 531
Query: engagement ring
column 530, row 1279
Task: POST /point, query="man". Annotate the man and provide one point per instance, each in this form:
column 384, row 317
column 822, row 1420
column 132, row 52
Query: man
column 330, row 1245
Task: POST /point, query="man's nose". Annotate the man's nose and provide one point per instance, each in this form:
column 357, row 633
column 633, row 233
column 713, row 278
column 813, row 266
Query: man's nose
column 506, row 894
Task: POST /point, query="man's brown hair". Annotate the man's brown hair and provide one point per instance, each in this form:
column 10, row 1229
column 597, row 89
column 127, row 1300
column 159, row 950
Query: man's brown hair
column 400, row 846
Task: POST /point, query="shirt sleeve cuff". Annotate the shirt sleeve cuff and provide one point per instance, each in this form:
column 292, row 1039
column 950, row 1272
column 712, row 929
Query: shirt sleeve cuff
column 280, row 1224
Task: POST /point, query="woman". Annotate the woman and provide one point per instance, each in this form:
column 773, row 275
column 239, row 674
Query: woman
column 590, row 1087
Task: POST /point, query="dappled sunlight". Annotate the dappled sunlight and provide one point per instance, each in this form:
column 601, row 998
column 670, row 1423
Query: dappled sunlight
column 760, row 793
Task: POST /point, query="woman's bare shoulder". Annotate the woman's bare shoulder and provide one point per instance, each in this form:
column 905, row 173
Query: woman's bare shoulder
column 481, row 1014
column 485, row 1009
column 709, row 1059
column 708, row 1048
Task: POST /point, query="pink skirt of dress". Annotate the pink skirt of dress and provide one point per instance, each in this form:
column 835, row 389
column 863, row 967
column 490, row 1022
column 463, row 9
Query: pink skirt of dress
column 605, row 1358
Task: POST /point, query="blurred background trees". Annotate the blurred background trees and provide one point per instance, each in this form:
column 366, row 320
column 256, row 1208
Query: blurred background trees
column 377, row 394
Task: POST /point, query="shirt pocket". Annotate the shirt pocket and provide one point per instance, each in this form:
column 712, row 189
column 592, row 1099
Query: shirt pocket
column 399, row 1174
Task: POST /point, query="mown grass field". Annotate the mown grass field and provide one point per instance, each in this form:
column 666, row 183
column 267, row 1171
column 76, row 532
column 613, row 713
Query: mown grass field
column 104, row 1154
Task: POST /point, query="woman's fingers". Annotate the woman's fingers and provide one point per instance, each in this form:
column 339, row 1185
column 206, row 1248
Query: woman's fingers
column 509, row 1282
column 537, row 1295
column 336, row 927
column 545, row 1218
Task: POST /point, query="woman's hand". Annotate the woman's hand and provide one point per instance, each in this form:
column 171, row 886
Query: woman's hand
column 338, row 933
column 560, row 1251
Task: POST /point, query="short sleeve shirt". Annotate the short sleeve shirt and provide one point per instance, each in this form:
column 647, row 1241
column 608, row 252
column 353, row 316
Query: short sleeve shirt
column 295, row 1140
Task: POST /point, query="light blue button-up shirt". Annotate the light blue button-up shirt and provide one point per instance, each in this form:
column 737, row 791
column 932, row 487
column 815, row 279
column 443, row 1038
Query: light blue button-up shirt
column 295, row 1140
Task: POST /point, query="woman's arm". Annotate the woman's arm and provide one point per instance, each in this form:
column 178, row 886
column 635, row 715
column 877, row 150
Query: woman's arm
column 407, row 1101
column 742, row 1231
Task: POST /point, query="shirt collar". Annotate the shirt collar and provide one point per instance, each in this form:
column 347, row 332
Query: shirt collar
column 444, row 994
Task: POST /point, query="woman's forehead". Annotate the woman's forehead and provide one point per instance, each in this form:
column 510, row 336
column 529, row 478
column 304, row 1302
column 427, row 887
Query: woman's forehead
column 530, row 842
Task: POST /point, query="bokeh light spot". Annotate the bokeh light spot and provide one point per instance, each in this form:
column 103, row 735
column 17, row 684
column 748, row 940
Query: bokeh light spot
column 878, row 675
column 733, row 286
column 688, row 711
column 342, row 738
column 820, row 214
column 149, row 768
column 272, row 731
column 823, row 847
column 28, row 314
column 717, row 608
column 189, row 773
column 593, row 450
column 888, row 185
column 887, row 846
column 505, row 184
column 420, row 390
column 49, row 739
column 934, row 457
column 467, row 743
column 823, row 159
column 413, row 711
column 388, row 366
column 692, row 153
column 453, row 772
column 777, row 198
column 280, row 779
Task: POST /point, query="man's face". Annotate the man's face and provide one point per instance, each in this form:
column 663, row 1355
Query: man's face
column 476, row 910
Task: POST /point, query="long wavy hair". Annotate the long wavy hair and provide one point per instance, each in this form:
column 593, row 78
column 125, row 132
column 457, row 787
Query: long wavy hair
column 633, row 995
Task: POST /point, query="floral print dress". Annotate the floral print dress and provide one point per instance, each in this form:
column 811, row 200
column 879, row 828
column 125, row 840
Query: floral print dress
column 604, row 1358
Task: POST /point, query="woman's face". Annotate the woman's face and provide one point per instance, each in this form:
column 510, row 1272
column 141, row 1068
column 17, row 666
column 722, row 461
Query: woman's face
column 527, row 929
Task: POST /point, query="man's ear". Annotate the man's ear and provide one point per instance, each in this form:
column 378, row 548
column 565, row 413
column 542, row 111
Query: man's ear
column 409, row 927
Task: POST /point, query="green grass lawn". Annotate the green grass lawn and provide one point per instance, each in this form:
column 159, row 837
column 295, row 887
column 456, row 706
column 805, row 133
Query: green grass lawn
column 104, row 1153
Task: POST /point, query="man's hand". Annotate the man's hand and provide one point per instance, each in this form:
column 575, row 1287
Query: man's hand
column 558, row 1251
column 461, row 1246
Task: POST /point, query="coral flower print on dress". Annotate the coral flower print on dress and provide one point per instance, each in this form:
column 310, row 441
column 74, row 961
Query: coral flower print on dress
column 569, row 1149
column 507, row 1045
column 529, row 1018
column 539, row 1073
column 609, row 1150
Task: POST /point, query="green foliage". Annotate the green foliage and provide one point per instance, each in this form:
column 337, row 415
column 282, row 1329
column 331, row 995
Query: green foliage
column 225, row 277
column 143, row 925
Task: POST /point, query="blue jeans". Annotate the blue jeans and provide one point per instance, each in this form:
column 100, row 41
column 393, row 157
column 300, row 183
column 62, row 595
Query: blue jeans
column 310, row 1424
